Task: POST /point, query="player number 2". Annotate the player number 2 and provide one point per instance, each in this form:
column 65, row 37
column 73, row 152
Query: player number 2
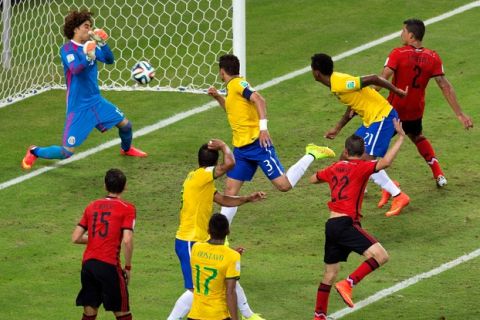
column 102, row 232
column 417, row 71
column 214, row 273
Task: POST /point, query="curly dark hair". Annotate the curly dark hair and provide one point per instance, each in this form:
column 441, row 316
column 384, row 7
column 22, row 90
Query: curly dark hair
column 74, row 19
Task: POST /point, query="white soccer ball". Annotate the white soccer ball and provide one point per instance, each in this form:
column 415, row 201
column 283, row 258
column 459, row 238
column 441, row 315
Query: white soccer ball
column 143, row 72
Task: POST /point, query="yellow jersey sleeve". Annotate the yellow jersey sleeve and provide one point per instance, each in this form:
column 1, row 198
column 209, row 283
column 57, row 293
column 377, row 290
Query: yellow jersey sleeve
column 242, row 113
column 342, row 82
column 370, row 105
column 197, row 205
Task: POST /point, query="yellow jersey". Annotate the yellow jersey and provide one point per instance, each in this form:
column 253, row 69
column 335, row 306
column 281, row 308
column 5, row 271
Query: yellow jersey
column 211, row 265
column 370, row 105
column 197, row 205
column 242, row 113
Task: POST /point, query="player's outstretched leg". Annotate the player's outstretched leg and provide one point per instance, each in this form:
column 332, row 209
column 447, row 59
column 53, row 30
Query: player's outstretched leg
column 312, row 152
column 182, row 306
column 126, row 135
column 243, row 305
column 51, row 152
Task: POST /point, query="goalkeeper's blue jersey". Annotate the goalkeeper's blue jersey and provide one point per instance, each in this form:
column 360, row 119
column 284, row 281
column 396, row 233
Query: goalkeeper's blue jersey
column 81, row 75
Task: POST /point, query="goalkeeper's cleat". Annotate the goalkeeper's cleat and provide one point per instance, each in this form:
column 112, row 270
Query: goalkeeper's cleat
column 29, row 159
column 89, row 50
column 99, row 36
column 386, row 196
column 133, row 152
column 344, row 289
column 399, row 202
column 254, row 316
column 319, row 152
column 441, row 181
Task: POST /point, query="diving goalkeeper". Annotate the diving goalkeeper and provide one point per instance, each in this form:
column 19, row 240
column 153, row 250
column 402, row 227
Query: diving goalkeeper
column 86, row 108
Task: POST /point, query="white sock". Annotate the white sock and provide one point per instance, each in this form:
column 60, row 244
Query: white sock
column 383, row 180
column 242, row 302
column 182, row 306
column 229, row 212
column 295, row 172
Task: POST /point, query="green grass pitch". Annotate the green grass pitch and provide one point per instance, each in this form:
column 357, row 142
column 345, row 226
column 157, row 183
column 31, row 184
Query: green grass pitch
column 283, row 236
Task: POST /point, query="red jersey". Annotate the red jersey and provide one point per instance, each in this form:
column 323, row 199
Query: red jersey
column 412, row 67
column 105, row 219
column 347, row 181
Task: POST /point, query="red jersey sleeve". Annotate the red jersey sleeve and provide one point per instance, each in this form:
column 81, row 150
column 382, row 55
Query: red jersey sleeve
column 84, row 221
column 437, row 65
column 323, row 175
column 392, row 60
column 129, row 219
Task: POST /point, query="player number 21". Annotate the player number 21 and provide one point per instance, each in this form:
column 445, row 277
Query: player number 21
column 213, row 275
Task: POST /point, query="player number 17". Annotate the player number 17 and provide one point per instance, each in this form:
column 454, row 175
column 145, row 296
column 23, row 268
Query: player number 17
column 213, row 275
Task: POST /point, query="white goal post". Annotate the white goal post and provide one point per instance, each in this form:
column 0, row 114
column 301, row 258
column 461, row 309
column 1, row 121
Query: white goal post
column 182, row 39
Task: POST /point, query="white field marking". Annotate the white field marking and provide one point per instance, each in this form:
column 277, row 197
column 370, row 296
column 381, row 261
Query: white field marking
column 165, row 122
column 406, row 283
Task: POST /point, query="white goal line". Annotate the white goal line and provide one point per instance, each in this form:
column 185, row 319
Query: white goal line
column 180, row 116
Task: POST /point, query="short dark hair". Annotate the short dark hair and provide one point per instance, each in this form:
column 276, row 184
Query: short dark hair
column 322, row 62
column 207, row 157
column 74, row 19
column 230, row 64
column 115, row 181
column 415, row 26
column 355, row 146
column 218, row 226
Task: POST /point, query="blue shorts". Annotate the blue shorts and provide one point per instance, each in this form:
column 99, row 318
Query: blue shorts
column 79, row 124
column 378, row 135
column 183, row 249
column 249, row 157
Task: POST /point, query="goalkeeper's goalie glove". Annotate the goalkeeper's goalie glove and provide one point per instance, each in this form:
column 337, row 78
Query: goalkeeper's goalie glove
column 89, row 50
column 99, row 36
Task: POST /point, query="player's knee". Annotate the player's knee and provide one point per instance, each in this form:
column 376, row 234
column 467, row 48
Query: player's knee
column 127, row 127
column 282, row 184
column 67, row 152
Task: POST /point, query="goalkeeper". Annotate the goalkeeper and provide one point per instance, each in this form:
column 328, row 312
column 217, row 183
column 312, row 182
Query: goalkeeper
column 86, row 108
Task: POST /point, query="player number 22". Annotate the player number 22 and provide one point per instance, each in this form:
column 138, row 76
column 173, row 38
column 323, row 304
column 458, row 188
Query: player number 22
column 213, row 275
column 340, row 184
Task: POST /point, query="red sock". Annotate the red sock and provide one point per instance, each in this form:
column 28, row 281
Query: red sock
column 322, row 298
column 125, row 317
column 365, row 268
column 85, row 317
column 425, row 149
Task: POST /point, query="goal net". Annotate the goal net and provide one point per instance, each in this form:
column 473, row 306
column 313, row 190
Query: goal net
column 182, row 40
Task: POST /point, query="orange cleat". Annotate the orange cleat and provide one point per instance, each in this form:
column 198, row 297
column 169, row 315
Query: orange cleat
column 399, row 202
column 29, row 159
column 133, row 152
column 344, row 289
column 386, row 196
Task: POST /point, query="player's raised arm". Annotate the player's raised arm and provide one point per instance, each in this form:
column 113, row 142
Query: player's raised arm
column 213, row 92
column 103, row 52
column 228, row 158
column 387, row 160
column 451, row 97
column 375, row 80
